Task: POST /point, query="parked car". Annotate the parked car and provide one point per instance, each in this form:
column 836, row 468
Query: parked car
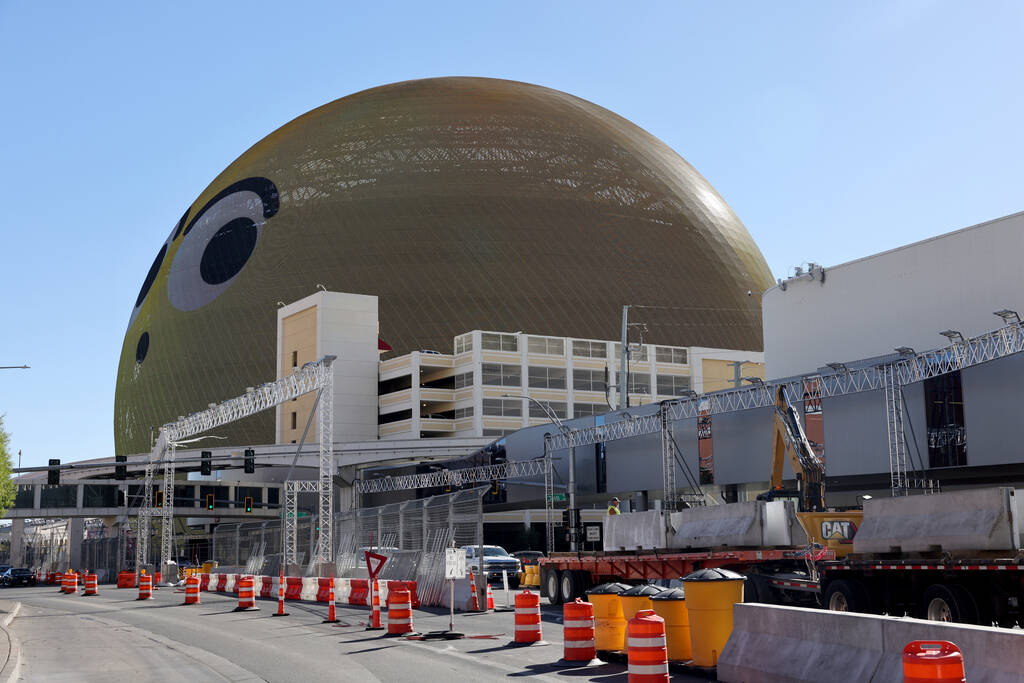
column 15, row 576
column 496, row 559
column 528, row 558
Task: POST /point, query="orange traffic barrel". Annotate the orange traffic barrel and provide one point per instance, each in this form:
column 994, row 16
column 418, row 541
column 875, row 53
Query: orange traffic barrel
column 527, row 619
column 246, row 595
column 399, row 612
column 91, row 585
column 648, row 655
column 72, row 585
column 933, row 660
column 145, row 587
column 192, row 590
column 578, row 635
column 609, row 622
column 670, row 605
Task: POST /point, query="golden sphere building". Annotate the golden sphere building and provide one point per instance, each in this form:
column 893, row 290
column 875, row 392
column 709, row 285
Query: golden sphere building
column 462, row 203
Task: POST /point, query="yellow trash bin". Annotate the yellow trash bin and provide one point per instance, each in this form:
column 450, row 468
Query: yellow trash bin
column 710, row 595
column 609, row 624
column 636, row 599
column 670, row 605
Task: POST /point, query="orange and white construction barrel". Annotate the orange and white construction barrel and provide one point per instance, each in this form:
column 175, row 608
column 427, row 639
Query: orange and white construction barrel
column 578, row 635
column 145, row 587
column 527, row 620
column 399, row 612
column 246, row 594
column 932, row 661
column 91, row 585
column 192, row 584
column 647, row 651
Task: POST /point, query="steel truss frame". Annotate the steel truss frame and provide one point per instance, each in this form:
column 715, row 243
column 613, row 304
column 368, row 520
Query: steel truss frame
column 469, row 475
column 889, row 375
column 314, row 376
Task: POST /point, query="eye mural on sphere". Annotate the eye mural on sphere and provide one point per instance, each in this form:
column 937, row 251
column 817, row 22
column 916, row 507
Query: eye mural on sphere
column 218, row 241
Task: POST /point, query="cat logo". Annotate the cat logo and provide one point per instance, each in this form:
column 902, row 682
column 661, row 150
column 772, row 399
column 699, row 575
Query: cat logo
column 838, row 530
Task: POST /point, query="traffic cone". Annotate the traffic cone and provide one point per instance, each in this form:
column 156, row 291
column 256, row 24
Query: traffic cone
column 375, row 624
column 331, row 615
column 280, row 598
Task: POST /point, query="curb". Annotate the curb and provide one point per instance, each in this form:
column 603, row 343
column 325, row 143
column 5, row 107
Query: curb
column 12, row 667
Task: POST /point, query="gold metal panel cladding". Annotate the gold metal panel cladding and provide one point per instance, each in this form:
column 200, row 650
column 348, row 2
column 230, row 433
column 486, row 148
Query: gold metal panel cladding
column 463, row 203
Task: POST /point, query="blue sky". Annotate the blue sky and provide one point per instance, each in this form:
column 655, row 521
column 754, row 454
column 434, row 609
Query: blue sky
column 834, row 129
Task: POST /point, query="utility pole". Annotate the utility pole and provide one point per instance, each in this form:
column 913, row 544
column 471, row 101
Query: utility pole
column 623, row 364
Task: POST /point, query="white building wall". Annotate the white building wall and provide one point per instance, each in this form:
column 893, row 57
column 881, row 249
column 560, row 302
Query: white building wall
column 903, row 297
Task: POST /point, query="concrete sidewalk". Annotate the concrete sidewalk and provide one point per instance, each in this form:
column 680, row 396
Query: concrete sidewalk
column 10, row 653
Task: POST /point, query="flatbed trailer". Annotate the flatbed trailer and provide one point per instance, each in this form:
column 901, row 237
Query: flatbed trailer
column 971, row 590
column 567, row 576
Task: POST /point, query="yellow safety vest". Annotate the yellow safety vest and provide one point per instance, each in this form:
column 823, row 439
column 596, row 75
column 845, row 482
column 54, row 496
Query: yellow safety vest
column 613, row 510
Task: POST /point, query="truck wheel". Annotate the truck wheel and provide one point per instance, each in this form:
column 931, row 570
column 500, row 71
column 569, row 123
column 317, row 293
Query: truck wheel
column 552, row 586
column 845, row 596
column 569, row 586
column 948, row 603
column 757, row 589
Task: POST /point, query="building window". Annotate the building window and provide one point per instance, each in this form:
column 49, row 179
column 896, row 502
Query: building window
column 464, row 343
column 503, row 408
column 639, row 383
column 588, row 380
column 670, row 354
column 464, row 379
column 495, row 341
column 499, row 432
column 295, row 359
column 637, row 352
column 589, row 349
column 548, row 346
column 944, row 417
column 501, row 375
column 547, row 378
column 589, row 409
column 556, row 407
column 463, row 412
column 673, row 385
column 295, row 417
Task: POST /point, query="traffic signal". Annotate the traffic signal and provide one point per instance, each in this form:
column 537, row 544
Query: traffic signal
column 53, row 475
column 120, row 471
column 209, row 501
column 248, row 505
column 159, row 499
column 250, row 461
column 205, row 466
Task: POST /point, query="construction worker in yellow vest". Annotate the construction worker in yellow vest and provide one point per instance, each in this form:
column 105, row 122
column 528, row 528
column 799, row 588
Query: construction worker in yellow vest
column 613, row 507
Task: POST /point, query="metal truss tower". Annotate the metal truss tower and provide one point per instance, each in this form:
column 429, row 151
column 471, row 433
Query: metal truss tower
column 315, row 376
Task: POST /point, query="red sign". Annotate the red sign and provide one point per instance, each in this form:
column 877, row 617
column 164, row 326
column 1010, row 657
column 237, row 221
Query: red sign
column 370, row 559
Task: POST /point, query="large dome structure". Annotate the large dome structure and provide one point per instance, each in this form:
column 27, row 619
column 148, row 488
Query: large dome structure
column 462, row 203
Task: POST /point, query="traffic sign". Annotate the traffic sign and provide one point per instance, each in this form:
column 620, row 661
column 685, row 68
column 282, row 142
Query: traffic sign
column 558, row 497
column 370, row 559
column 454, row 563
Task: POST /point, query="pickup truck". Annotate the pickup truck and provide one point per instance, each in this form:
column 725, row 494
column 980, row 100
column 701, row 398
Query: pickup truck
column 496, row 559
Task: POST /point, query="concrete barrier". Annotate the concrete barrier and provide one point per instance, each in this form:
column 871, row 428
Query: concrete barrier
column 770, row 643
column 634, row 530
column 753, row 524
column 972, row 520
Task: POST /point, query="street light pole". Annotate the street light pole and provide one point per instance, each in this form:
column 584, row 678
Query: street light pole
column 572, row 463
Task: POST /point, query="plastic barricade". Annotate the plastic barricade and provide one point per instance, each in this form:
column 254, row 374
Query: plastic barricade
column 222, row 583
column 323, row 590
column 267, row 586
column 360, row 591
column 126, row 579
column 204, row 582
column 293, row 588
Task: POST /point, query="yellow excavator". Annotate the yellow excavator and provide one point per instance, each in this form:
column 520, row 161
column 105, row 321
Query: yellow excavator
column 833, row 530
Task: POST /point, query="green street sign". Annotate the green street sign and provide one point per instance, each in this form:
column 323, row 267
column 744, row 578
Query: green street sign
column 557, row 498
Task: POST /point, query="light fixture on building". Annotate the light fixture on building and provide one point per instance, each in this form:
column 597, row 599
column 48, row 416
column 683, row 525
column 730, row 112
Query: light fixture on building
column 1009, row 317
column 756, row 381
column 953, row 336
column 838, row 367
column 905, row 351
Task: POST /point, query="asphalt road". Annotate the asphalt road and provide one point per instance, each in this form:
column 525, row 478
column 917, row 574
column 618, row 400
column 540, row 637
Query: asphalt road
column 113, row 637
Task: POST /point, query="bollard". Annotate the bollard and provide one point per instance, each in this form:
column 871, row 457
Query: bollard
column 527, row 619
column 331, row 613
column 648, row 655
column 145, row 587
column 375, row 602
column 932, row 660
column 578, row 635
column 399, row 612
column 192, row 590
column 91, row 585
column 280, row 598
column 246, row 595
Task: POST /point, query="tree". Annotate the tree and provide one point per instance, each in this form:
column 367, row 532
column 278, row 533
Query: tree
column 7, row 486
